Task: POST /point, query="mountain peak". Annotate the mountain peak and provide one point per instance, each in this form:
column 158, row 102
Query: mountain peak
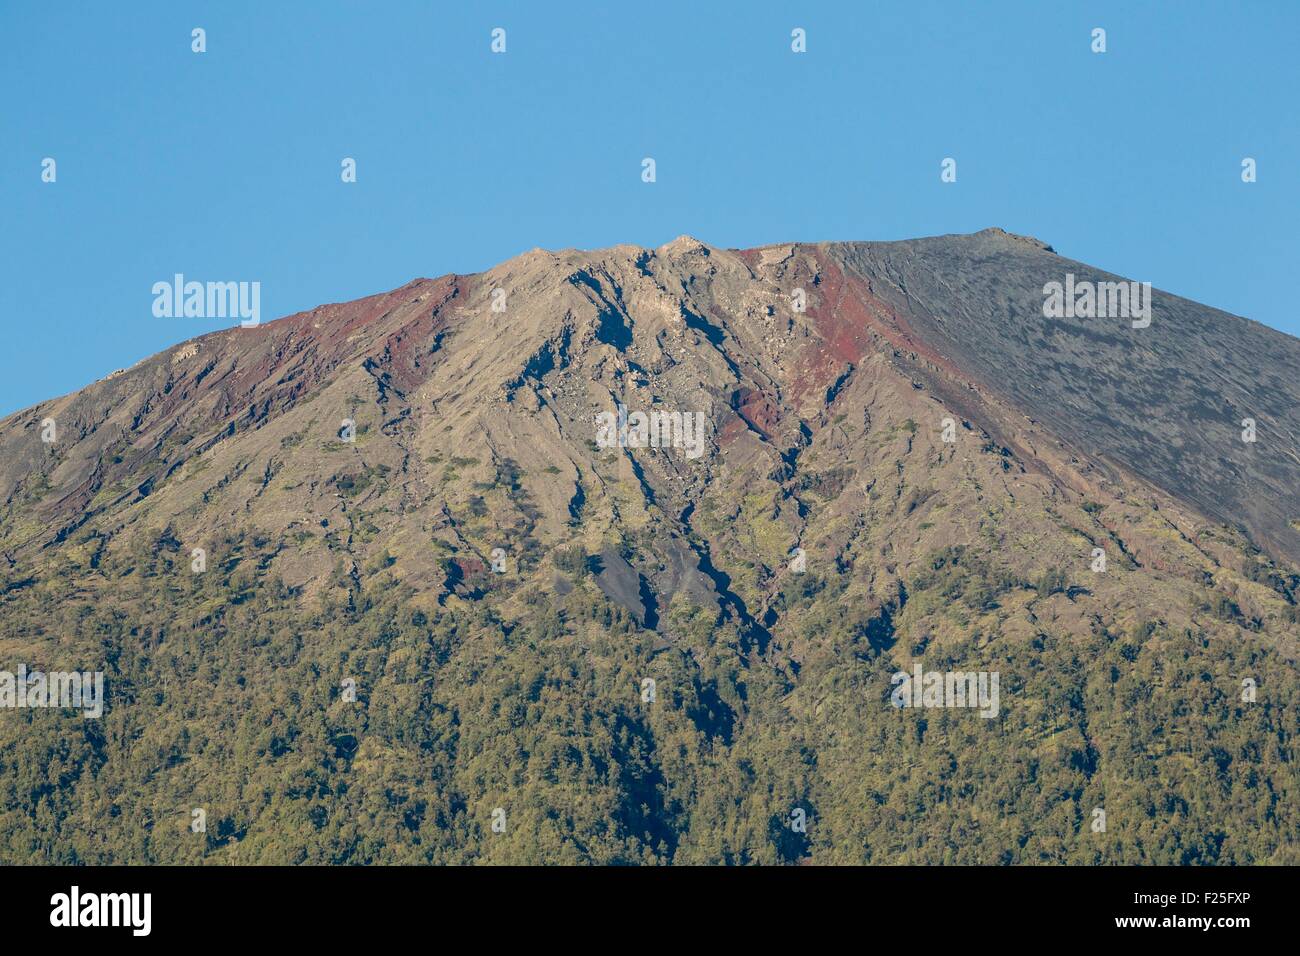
column 999, row 233
column 684, row 245
column 570, row 331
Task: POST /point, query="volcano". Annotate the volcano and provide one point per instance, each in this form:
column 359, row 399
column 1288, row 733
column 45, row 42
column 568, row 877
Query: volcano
column 628, row 544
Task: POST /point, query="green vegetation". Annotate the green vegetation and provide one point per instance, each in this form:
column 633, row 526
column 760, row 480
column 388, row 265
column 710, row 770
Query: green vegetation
column 224, row 692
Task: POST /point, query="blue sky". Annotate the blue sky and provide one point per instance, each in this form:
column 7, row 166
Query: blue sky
column 226, row 165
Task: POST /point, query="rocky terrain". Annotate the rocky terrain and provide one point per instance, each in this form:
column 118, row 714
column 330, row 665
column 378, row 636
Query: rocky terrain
column 902, row 460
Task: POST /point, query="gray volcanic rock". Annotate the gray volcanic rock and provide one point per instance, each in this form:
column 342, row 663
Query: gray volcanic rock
column 1166, row 401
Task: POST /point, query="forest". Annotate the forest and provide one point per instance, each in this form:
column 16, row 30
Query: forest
column 363, row 729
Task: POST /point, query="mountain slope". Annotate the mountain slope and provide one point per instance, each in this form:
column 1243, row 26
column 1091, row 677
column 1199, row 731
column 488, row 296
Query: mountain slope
column 1165, row 401
column 917, row 467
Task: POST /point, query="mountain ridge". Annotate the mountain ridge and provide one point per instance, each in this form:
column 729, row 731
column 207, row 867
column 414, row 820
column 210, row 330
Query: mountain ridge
column 874, row 262
column 495, row 524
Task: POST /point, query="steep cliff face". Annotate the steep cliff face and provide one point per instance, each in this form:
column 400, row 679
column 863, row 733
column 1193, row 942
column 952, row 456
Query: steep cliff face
column 782, row 474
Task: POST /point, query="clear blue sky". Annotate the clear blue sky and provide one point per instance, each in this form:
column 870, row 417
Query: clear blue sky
column 225, row 165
